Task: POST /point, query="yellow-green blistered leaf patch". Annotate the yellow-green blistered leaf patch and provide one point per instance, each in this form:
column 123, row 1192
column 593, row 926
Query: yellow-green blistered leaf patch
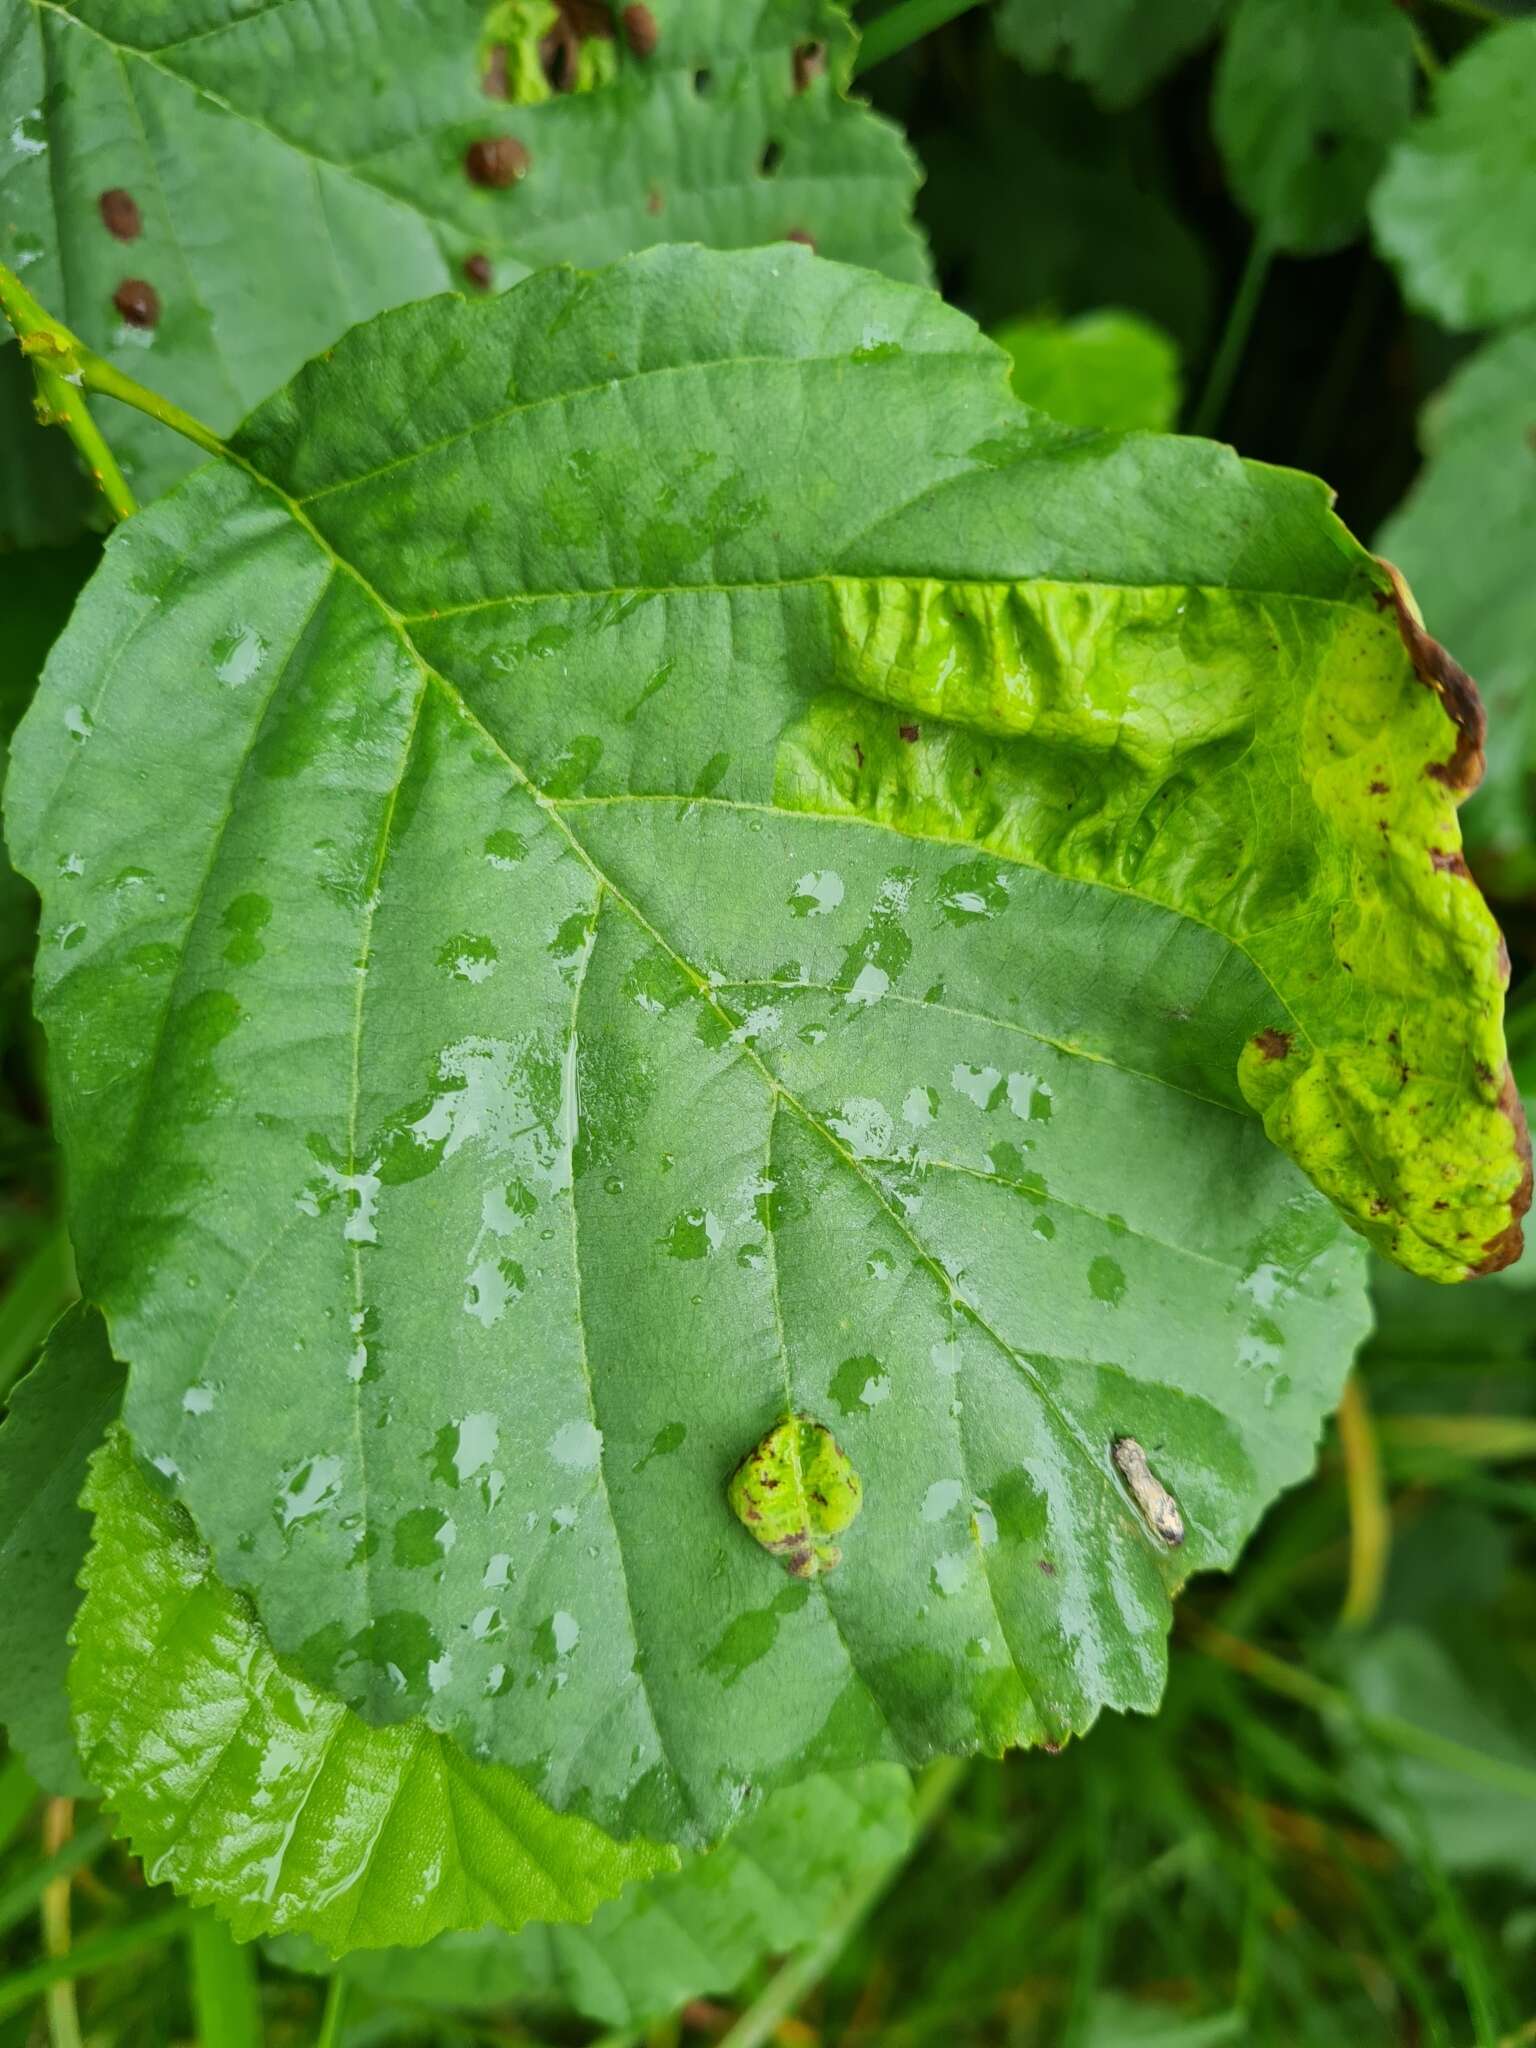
column 794, row 1492
column 655, row 855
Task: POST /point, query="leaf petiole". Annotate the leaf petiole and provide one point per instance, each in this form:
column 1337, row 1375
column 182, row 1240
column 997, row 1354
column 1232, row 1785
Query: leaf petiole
column 901, row 26
column 65, row 369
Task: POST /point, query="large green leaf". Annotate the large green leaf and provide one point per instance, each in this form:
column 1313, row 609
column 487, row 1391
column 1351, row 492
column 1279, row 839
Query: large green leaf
column 1103, row 370
column 1456, row 210
column 238, row 1783
column 56, row 1419
column 1309, row 97
column 696, row 1933
column 1466, row 538
column 734, row 869
column 284, row 171
column 1119, row 47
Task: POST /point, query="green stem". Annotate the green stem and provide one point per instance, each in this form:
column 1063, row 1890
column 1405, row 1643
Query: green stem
column 38, row 1295
column 103, row 1950
column 225, row 1996
column 329, row 2035
column 1390, row 1729
column 902, row 25
column 1474, row 10
column 111, row 382
column 65, row 368
column 63, row 2014
column 1485, row 1439
column 1424, row 50
column 1234, row 338
column 19, row 1898
column 56, row 358
column 790, row 1986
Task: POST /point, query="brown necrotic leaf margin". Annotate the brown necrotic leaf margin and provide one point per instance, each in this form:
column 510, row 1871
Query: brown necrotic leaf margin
column 1461, row 774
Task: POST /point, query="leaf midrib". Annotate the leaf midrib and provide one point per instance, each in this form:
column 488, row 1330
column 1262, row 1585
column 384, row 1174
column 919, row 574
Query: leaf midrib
column 550, row 808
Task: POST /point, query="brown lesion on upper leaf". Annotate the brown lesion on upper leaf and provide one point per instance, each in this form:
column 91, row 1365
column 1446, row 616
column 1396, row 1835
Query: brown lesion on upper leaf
column 1451, row 684
column 1504, row 1249
column 1461, row 774
column 1273, row 1044
column 1452, row 863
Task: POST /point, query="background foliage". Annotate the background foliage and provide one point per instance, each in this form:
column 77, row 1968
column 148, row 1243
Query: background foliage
column 1309, row 225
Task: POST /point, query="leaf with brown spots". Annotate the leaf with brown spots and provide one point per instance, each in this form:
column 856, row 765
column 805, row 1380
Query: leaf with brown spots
column 270, row 220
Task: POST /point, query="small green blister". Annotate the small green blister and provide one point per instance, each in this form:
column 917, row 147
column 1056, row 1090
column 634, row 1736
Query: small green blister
column 794, row 1492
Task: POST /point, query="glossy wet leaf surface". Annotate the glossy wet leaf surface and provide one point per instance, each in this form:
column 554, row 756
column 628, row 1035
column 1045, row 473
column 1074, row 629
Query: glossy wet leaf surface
column 674, row 876
column 1465, row 538
column 1456, row 209
column 249, row 1791
column 55, row 1419
column 1309, row 96
column 160, row 147
column 693, row 1934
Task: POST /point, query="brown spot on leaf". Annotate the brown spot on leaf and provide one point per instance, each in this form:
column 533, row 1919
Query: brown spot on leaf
column 1449, row 863
column 640, row 30
column 1463, row 770
column 800, row 235
column 138, row 302
column 496, row 161
column 1051, row 1748
column 1046, row 1566
column 653, row 200
column 810, row 61
column 1503, row 1249
column 1380, row 788
column 120, row 214
column 477, row 269
column 910, row 733
column 1273, row 1044
column 858, row 753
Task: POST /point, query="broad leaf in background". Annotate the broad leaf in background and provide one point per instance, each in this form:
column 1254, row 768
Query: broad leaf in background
column 692, row 1934
column 1456, row 209
column 1466, row 539
column 1309, row 97
column 240, row 1785
column 209, row 194
column 56, row 1418
column 471, row 1175
column 1120, row 48
column 1473, row 1822
column 1046, row 205
column 1104, row 370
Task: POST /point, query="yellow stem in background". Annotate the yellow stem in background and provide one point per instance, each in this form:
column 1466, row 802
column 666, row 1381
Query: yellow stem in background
column 1370, row 1518
column 63, row 2014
